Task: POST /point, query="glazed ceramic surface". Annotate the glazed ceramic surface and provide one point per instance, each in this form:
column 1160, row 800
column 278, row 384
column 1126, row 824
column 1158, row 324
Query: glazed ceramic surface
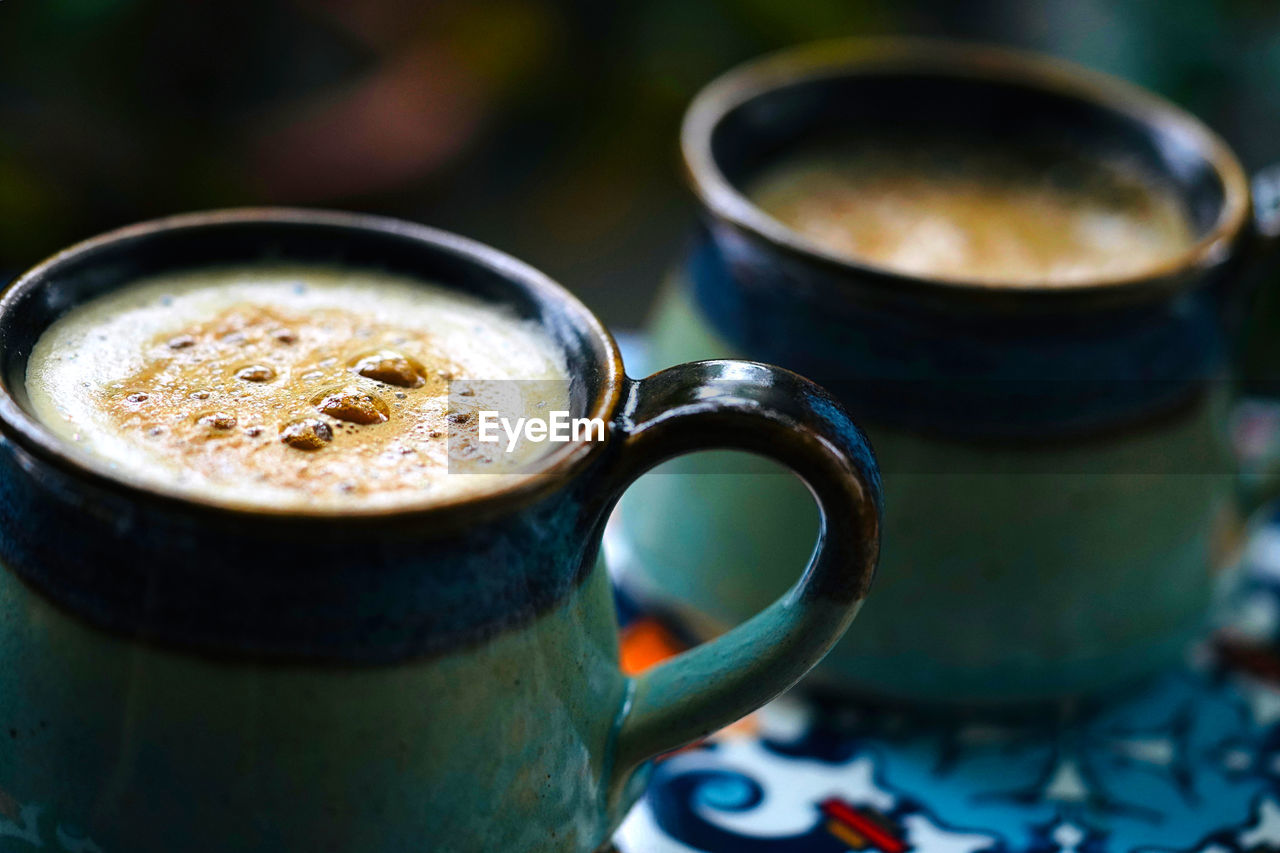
column 1052, row 458
column 200, row 677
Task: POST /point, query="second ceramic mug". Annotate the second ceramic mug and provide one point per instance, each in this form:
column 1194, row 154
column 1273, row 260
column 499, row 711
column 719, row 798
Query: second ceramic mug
column 1051, row 455
column 182, row 675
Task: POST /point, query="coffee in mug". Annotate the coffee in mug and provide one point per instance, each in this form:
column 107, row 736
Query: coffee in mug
column 293, row 386
column 977, row 210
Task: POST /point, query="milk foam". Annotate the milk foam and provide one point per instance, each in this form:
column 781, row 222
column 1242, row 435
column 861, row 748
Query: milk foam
column 286, row 387
column 963, row 211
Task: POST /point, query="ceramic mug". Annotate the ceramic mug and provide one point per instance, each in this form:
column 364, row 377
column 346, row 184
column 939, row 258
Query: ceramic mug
column 1051, row 455
column 182, row 675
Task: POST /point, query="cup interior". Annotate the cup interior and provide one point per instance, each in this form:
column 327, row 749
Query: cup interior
column 759, row 114
column 350, row 241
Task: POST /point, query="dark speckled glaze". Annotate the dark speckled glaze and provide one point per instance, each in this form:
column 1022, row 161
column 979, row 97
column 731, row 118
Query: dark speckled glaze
column 1050, row 454
column 203, row 677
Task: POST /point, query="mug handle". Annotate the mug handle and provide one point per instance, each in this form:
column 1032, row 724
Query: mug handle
column 741, row 405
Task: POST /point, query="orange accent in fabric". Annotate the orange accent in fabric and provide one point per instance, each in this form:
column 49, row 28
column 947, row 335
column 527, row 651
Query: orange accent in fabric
column 846, row 835
column 645, row 643
column 863, row 825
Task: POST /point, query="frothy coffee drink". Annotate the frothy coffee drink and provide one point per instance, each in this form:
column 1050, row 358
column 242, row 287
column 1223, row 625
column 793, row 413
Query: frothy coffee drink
column 292, row 387
column 980, row 213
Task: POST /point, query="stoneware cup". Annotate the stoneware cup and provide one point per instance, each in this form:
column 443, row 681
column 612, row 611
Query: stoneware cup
column 180, row 675
column 1051, row 455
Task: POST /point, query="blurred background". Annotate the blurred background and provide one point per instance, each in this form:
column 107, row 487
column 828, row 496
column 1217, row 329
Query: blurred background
column 544, row 127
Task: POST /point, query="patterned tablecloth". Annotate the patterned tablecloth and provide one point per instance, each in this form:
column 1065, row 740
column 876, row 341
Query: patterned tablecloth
column 1189, row 762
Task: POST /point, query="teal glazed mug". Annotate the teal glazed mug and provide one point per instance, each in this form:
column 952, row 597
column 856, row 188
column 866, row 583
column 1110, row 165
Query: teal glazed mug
column 197, row 676
column 1052, row 455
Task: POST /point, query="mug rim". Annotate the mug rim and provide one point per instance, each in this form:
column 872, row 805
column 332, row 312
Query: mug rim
column 551, row 470
column 853, row 57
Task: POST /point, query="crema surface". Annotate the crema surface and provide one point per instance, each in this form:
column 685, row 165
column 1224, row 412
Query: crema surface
column 965, row 211
column 295, row 387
